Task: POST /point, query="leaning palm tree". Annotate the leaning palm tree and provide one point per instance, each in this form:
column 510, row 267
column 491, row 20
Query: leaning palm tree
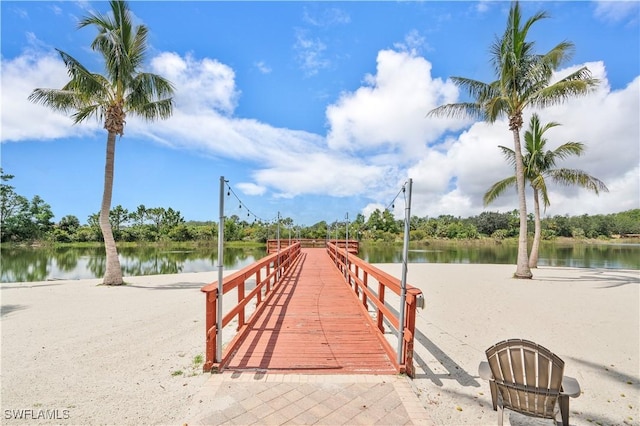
column 122, row 90
column 539, row 164
column 523, row 79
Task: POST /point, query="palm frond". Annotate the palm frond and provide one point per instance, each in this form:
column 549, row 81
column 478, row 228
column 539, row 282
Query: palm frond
column 509, row 154
column 539, row 184
column 569, row 149
column 578, row 83
column 457, row 110
column 88, row 111
column 560, row 54
column 498, row 189
column 58, row 100
column 154, row 110
column 81, row 79
column 580, row 178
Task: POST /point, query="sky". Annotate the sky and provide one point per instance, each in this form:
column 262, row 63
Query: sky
column 316, row 110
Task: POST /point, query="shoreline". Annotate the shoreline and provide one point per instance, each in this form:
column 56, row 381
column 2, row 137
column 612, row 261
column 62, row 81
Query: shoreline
column 127, row 355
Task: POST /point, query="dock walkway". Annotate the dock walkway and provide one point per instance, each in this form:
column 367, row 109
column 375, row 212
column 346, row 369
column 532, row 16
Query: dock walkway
column 313, row 324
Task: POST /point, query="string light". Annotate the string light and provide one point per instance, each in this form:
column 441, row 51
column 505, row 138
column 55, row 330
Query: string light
column 230, row 192
column 392, row 204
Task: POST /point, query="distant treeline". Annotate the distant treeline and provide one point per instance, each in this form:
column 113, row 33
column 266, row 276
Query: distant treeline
column 157, row 224
column 23, row 220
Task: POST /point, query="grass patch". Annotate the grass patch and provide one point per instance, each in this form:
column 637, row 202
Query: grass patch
column 198, row 360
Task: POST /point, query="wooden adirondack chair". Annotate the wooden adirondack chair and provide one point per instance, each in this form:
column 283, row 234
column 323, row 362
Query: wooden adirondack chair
column 528, row 378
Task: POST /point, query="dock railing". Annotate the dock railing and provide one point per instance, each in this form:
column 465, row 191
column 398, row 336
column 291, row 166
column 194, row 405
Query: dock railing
column 267, row 273
column 272, row 245
column 363, row 278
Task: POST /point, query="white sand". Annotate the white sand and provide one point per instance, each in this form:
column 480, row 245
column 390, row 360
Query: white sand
column 101, row 355
column 588, row 317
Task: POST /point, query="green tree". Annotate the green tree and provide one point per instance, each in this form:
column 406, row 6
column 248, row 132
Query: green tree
column 118, row 216
column 170, row 219
column 523, row 79
column 489, row 222
column 139, row 216
column 123, row 90
column 69, row 223
column 41, row 215
column 12, row 208
column 539, row 164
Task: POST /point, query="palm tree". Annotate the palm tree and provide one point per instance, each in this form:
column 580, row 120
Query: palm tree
column 523, row 79
column 539, row 164
column 122, row 90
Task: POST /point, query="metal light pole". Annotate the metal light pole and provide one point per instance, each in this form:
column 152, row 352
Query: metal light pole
column 278, row 238
column 403, row 282
column 220, row 267
column 346, row 252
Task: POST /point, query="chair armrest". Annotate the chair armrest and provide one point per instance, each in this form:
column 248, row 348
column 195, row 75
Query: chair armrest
column 484, row 371
column 570, row 386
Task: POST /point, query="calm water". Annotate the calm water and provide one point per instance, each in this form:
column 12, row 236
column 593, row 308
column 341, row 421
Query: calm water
column 39, row 264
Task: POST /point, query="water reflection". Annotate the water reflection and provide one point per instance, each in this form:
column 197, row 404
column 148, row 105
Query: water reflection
column 580, row 255
column 21, row 264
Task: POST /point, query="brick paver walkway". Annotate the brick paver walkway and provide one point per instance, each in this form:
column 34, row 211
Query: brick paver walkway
column 255, row 398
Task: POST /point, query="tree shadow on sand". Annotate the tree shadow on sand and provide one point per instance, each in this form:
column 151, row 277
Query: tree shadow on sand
column 604, row 277
column 8, row 309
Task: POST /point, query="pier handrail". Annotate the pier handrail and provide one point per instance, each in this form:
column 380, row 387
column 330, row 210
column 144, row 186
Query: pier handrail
column 358, row 275
column 267, row 272
column 272, row 245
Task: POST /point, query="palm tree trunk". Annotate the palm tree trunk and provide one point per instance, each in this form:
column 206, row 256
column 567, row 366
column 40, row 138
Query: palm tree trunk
column 522, row 267
column 113, row 273
column 533, row 257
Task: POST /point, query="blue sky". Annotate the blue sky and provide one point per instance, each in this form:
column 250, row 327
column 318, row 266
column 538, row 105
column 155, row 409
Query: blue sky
column 315, row 109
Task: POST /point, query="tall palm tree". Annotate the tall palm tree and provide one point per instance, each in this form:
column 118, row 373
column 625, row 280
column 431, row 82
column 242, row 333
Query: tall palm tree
column 122, row 90
column 523, row 79
column 539, row 164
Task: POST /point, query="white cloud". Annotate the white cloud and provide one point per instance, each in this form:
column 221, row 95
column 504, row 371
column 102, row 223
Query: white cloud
column 413, row 43
column 607, row 122
column 200, row 84
column 22, row 119
column 378, row 136
column 616, row 11
column 263, row 67
column 388, row 112
column 311, row 53
column 327, row 17
column 251, row 188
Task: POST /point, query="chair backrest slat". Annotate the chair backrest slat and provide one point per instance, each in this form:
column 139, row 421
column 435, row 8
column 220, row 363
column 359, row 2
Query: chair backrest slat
column 527, row 375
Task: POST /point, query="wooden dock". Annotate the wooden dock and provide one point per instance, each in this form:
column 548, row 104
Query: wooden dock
column 312, row 311
column 313, row 324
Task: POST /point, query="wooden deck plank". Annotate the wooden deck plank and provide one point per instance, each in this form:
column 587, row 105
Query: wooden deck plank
column 313, row 324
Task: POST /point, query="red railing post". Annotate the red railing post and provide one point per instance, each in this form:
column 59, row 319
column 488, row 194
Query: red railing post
column 410, row 334
column 268, row 278
column 241, row 297
column 211, row 314
column 258, row 282
column 381, row 288
column 385, row 281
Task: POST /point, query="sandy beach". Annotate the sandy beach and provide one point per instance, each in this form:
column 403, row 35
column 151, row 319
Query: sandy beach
column 130, row 355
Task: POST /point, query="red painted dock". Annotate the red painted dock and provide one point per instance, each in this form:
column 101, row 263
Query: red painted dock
column 313, row 323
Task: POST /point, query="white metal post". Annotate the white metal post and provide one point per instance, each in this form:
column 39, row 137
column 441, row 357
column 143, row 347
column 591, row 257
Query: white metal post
column 403, row 282
column 220, row 267
column 346, row 252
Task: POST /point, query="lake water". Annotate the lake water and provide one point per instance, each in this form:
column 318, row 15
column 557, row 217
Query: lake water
column 40, row 264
